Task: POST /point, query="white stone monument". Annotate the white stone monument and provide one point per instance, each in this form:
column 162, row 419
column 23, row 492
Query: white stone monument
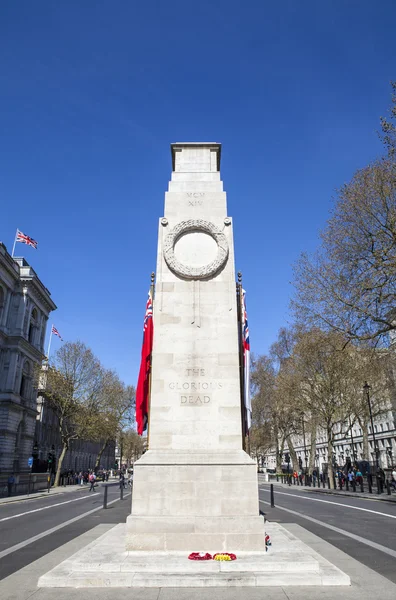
column 195, row 488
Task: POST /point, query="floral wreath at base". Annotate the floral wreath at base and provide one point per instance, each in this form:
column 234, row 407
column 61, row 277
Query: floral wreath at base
column 207, row 556
column 200, row 556
column 224, row 556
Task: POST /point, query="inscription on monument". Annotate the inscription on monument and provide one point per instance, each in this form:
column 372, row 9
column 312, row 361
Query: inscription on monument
column 195, row 400
column 201, row 388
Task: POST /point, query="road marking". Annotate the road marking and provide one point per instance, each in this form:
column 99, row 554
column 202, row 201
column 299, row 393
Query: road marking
column 53, row 529
column 337, row 530
column 29, row 512
column 376, row 512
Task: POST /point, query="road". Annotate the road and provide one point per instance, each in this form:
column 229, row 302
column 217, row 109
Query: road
column 31, row 528
column 363, row 528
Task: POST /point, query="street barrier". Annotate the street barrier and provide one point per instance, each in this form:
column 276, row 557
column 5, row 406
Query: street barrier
column 272, row 495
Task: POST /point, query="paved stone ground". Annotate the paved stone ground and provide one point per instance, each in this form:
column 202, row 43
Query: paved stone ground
column 366, row 584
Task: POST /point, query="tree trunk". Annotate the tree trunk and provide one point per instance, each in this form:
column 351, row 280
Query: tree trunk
column 330, row 470
column 365, row 440
column 99, row 456
column 60, row 461
column 292, row 453
column 313, row 447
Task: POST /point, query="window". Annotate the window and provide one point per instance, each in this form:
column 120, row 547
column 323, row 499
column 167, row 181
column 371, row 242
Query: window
column 33, row 325
column 25, row 380
column 2, row 298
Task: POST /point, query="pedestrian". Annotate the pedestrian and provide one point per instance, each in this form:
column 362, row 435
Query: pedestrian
column 92, row 478
column 10, row 483
column 359, row 477
column 393, row 480
column 107, row 475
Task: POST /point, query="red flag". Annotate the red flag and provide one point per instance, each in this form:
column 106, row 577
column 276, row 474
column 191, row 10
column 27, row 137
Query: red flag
column 142, row 389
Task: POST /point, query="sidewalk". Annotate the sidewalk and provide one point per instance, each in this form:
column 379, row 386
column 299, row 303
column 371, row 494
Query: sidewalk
column 53, row 490
column 303, row 488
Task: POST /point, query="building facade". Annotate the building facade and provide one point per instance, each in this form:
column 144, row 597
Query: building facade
column 25, row 305
column 346, row 447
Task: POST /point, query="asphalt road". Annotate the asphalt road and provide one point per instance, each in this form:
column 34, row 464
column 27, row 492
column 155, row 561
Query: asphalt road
column 31, row 528
column 363, row 528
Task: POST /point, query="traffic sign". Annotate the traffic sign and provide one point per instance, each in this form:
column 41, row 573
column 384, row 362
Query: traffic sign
column 30, row 461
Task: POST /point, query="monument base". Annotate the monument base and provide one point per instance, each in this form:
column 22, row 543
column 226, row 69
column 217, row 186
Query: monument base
column 107, row 563
column 184, row 500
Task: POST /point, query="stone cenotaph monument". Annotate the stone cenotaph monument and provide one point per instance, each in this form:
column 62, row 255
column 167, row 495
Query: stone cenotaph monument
column 195, row 488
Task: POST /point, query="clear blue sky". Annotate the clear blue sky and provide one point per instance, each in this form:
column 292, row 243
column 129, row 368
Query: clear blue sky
column 92, row 94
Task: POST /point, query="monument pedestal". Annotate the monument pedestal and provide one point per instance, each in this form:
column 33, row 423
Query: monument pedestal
column 195, row 501
column 107, row 563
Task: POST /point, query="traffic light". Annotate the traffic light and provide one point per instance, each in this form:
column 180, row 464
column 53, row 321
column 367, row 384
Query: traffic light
column 287, row 457
column 300, row 462
column 116, row 464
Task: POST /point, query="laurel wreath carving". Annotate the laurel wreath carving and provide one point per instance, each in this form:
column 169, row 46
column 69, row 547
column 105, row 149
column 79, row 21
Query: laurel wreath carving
column 191, row 226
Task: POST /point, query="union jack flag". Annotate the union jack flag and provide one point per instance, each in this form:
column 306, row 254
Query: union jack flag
column 25, row 239
column 246, row 356
column 149, row 311
column 56, row 332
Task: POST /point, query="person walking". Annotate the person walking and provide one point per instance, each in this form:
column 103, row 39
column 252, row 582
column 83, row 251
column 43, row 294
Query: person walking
column 10, row 483
column 92, row 479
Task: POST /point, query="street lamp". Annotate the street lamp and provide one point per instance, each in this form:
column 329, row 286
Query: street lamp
column 366, row 389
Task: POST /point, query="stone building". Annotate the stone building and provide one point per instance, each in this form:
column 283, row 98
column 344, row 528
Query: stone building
column 25, row 304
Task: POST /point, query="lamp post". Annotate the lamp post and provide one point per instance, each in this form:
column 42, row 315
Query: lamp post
column 366, row 389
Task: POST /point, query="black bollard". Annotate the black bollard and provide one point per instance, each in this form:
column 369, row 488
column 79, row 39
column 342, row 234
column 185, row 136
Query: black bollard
column 105, row 497
column 324, row 482
column 353, row 485
column 122, row 492
column 370, row 483
column 378, row 485
column 388, row 490
column 347, row 484
column 328, row 481
column 272, row 495
column 361, row 486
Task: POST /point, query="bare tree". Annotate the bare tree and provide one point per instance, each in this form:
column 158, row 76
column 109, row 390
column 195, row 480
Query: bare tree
column 326, row 371
column 72, row 385
column 349, row 285
column 132, row 445
column 114, row 411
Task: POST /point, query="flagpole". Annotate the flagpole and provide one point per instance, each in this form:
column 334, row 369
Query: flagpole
column 241, row 358
column 152, row 286
column 49, row 344
column 15, row 239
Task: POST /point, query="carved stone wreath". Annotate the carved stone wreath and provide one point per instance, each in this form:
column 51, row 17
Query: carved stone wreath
column 186, row 271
